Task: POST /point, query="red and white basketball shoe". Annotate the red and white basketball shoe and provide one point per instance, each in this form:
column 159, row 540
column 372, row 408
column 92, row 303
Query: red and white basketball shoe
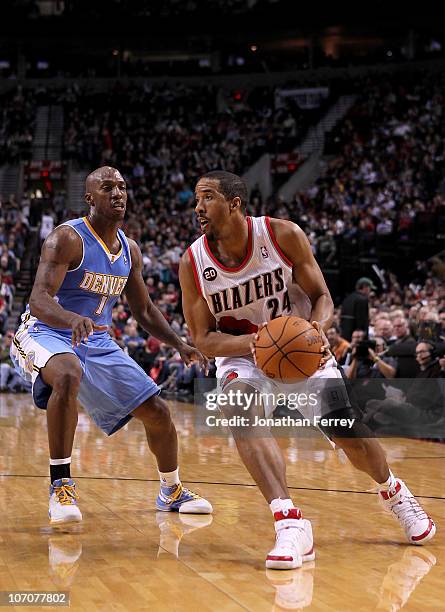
column 294, row 542
column 418, row 526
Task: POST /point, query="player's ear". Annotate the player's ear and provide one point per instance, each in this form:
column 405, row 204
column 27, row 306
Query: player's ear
column 235, row 204
column 89, row 199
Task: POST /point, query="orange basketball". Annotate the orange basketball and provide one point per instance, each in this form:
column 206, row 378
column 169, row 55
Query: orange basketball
column 288, row 349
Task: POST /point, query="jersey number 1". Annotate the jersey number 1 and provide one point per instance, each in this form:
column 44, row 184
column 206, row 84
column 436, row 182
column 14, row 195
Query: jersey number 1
column 103, row 300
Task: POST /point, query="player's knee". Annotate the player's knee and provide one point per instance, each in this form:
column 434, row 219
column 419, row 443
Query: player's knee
column 154, row 412
column 68, row 382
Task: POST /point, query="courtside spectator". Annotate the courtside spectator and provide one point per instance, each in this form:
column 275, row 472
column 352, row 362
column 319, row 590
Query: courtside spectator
column 355, row 308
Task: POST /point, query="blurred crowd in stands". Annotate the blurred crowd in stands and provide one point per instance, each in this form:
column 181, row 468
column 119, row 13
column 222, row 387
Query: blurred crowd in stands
column 384, row 180
column 17, row 117
column 14, row 229
column 165, row 136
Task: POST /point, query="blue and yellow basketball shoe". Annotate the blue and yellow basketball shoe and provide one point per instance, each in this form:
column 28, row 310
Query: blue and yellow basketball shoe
column 179, row 499
column 63, row 506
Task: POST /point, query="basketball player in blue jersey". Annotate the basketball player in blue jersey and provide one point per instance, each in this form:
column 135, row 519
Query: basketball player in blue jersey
column 242, row 272
column 63, row 348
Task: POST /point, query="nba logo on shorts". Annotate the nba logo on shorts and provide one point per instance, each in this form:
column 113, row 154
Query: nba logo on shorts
column 264, row 252
column 29, row 361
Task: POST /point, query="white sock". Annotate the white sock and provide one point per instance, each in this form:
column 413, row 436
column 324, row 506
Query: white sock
column 169, row 479
column 279, row 505
column 60, row 461
column 388, row 484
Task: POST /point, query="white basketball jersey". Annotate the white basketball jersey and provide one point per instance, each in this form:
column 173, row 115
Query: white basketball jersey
column 261, row 288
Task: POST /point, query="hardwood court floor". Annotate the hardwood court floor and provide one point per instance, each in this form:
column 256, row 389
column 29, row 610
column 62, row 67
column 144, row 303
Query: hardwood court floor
column 126, row 556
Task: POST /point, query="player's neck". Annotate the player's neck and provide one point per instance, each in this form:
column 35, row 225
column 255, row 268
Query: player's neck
column 232, row 246
column 105, row 229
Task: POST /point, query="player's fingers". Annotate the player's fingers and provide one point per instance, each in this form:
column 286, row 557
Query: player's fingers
column 252, row 348
column 100, row 327
column 87, row 329
column 204, row 363
column 186, row 359
column 324, row 359
column 77, row 334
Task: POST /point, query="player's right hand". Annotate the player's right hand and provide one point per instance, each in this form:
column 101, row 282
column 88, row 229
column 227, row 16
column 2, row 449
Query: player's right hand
column 325, row 349
column 255, row 340
column 82, row 327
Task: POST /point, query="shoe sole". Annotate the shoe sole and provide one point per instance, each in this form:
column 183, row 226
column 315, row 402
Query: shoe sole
column 65, row 521
column 167, row 509
column 183, row 511
column 197, row 511
column 282, row 564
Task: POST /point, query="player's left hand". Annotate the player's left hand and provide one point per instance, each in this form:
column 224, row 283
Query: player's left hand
column 190, row 354
column 325, row 349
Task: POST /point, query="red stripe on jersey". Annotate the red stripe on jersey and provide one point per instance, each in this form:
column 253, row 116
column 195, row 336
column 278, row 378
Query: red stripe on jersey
column 246, row 258
column 275, row 243
column 195, row 270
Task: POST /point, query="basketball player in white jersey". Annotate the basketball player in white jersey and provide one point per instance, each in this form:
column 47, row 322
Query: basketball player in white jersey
column 244, row 271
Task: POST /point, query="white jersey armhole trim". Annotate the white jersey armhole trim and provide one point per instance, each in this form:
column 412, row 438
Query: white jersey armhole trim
column 83, row 245
column 268, row 232
column 197, row 266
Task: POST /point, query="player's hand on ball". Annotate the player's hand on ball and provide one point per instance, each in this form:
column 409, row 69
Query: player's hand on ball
column 82, row 327
column 255, row 339
column 190, row 354
column 325, row 349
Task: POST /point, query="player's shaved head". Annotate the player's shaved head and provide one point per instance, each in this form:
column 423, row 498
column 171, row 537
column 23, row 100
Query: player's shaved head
column 106, row 193
column 100, row 174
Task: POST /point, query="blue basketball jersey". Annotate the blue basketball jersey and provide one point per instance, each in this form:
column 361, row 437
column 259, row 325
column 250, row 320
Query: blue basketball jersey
column 92, row 289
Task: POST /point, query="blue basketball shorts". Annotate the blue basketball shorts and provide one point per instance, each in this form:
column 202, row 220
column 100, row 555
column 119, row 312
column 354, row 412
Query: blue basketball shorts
column 112, row 385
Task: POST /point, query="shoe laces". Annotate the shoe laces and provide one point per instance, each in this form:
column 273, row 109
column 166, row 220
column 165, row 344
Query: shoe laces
column 408, row 510
column 176, row 494
column 66, row 494
column 172, row 496
column 191, row 493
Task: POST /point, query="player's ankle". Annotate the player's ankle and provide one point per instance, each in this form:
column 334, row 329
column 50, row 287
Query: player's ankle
column 60, row 468
column 169, row 479
column 390, row 483
column 281, row 505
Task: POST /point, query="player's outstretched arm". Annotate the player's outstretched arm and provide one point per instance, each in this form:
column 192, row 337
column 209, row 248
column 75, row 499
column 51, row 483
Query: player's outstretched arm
column 306, row 271
column 149, row 317
column 61, row 251
column 202, row 323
